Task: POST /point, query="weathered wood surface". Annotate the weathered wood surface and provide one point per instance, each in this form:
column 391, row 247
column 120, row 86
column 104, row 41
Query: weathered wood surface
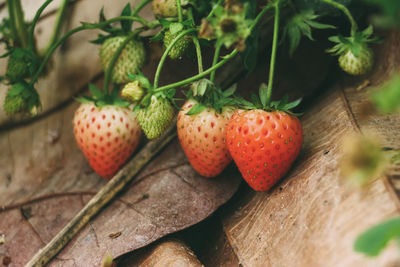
column 313, row 217
column 168, row 252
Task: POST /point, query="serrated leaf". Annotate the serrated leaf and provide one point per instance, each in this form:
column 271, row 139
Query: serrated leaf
column 96, row 92
column 126, row 25
column 375, row 239
column 121, row 102
column 196, row 109
column 164, row 23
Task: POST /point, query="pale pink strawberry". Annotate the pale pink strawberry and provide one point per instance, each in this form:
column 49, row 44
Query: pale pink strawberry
column 107, row 136
column 202, row 137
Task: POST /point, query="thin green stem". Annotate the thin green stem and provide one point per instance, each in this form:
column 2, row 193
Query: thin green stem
column 85, row 26
column 260, row 15
column 10, row 7
column 140, row 6
column 273, row 52
column 51, row 50
column 39, row 12
column 214, row 8
column 216, row 66
column 60, row 16
column 218, row 46
column 346, row 11
column 17, row 22
column 196, row 43
column 198, row 53
column 115, row 57
column 166, row 52
column 200, row 75
column 179, row 8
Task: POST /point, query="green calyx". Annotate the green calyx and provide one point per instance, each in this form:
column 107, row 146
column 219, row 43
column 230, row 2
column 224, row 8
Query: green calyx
column 355, row 43
column 207, row 95
column 260, row 102
column 21, row 98
column 101, row 98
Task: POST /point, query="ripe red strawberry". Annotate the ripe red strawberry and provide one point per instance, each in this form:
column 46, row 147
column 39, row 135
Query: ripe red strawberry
column 107, row 136
column 263, row 145
column 202, row 137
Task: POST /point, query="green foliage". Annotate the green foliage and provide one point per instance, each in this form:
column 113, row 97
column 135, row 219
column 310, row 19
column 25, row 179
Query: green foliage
column 22, row 63
column 390, row 12
column 355, row 43
column 21, row 98
column 375, row 239
column 302, row 24
column 208, row 95
column 101, row 98
column 387, row 98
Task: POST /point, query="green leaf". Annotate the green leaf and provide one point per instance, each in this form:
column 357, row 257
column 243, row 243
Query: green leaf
column 96, row 92
column 375, row 239
column 126, row 25
column 387, row 98
column 263, row 94
column 85, row 99
column 16, row 89
column 196, row 109
column 292, row 104
column 230, row 91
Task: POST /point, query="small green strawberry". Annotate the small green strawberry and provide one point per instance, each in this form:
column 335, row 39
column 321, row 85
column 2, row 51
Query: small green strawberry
column 357, row 65
column 165, row 8
column 131, row 59
column 180, row 46
column 156, row 116
column 21, row 63
column 355, row 57
column 21, row 98
column 132, row 92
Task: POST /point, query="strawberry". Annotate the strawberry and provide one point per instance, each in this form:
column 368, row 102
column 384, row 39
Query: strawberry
column 202, row 137
column 357, row 65
column 155, row 117
column 107, row 135
column 130, row 60
column 180, row 46
column 263, row 145
column 132, row 92
column 165, row 8
column 355, row 57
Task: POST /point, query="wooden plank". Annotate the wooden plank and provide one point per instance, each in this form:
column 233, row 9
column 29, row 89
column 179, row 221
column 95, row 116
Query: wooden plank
column 313, row 217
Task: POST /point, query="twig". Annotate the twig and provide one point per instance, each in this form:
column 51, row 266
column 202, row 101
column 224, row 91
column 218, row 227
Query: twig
column 102, row 198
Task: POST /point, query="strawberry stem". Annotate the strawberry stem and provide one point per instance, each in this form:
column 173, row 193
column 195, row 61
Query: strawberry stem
column 17, row 22
column 166, row 52
column 200, row 75
column 273, row 52
column 179, row 8
column 346, row 11
column 60, row 17
column 88, row 26
column 140, row 6
column 196, row 43
column 218, row 46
